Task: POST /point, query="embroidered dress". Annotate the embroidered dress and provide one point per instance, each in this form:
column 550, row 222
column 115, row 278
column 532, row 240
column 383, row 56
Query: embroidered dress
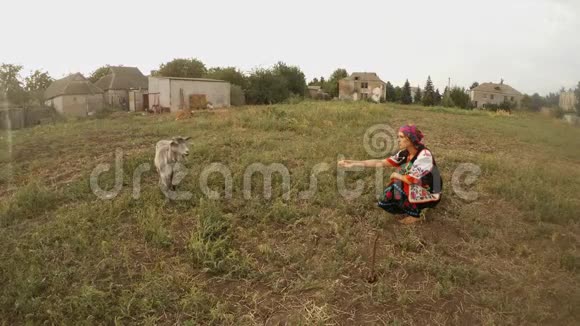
column 424, row 187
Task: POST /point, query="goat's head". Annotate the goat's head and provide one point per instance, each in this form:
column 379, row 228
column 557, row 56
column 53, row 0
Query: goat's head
column 179, row 146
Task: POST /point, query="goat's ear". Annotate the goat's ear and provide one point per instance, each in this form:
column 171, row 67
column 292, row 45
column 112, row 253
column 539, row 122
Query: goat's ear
column 187, row 138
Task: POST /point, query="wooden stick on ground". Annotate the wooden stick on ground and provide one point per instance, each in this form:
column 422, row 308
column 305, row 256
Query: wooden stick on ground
column 372, row 277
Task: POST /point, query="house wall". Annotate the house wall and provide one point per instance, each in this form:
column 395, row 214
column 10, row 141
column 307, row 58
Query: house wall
column 136, row 100
column 153, row 85
column 483, row 98
column 159, row 92
column 352, row 90
column 81, row 105
column 95, row 103
column 56, row 103
column 75, row 105
column 218, row 93
column 567, row 101
column 117, row 98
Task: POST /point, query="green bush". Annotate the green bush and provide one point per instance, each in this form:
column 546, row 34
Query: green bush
column 491, row 107
column 229, row 74
column 460, row 97
column 506, row 106
column 275, row 85
column 265, row 87
column 294, row 77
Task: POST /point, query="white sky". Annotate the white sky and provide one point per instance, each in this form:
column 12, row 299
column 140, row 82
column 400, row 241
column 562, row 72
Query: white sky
column 534, row 45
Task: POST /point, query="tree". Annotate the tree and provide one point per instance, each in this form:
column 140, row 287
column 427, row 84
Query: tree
column 533, row 103
column 418, row 97
column 437, row 97
column 526, row 102
column 331, row 85
column 36, row 84
column 537, row 102
column 10, row 84
column 429, row 94
column 474, row 85
column 314, row 82
column 295, row 80
column 186, row 68
column 266, row 87
column 99, row 73
column 398, row 94
column 406, row 97
column 447, row 101
column 390, row 93
column 577, row 93
column 553, row 100
column 460, row 97
column 229, row 74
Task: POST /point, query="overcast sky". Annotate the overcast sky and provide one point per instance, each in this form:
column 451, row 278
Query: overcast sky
column 534, row 45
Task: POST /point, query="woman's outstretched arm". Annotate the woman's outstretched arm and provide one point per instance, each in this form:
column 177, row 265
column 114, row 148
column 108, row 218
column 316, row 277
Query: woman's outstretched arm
column 365, row 164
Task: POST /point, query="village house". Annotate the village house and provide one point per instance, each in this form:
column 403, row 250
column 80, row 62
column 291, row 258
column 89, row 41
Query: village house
column 124, row 87
column 187, row 93
column 567, row 101
column 74, row 95
column 496, row 94
column 362, row 86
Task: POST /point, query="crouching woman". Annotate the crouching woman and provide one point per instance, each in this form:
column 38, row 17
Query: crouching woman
column 417, row 183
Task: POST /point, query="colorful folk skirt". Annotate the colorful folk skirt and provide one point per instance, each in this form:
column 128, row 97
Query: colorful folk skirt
column 395, row 200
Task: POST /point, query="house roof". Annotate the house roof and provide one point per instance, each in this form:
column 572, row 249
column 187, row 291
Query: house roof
column 75, row 84
column 366, row 76
column 122, row 78
column 314, row 87
column 190, row 79
column 496, row 88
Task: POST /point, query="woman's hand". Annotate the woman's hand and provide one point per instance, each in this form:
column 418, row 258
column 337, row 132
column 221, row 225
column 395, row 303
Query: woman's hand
column 346, row 163
column 396, row 176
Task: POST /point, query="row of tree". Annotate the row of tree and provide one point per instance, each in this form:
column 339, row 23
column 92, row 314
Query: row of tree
column 23, row 91
column 264, row 85
column 428, row 96
column 535, row 101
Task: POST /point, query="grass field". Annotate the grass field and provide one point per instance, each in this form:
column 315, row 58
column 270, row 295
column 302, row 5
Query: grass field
column 510, row 257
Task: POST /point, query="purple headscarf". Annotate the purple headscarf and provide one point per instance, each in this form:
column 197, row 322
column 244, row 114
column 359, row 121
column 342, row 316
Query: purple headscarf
column 414, row 134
